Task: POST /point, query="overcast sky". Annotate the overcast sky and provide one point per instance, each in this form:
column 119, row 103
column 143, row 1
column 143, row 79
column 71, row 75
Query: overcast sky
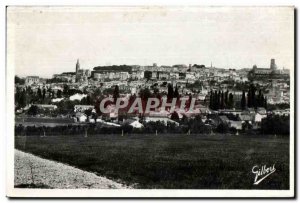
column 44, row 41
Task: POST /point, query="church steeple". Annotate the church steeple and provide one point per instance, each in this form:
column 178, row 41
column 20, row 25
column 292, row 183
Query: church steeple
column 77, row 66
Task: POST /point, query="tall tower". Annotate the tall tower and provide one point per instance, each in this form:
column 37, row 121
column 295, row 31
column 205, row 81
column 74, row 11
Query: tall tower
column 77, row 66
column 273, row 65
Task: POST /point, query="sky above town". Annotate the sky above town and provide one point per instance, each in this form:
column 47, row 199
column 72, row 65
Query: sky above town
column 48, row 40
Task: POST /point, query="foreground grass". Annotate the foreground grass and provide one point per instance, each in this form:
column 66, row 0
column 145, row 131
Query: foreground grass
column 170, row 161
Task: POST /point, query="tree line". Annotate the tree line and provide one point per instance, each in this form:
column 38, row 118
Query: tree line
column 221, row 100
column 25, row 96
column 225, row 100
column 190, row 126
column 276, row 124
column 253, row 99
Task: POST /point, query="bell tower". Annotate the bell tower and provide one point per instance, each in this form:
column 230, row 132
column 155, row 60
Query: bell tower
column 77, row 66
column 273, row 65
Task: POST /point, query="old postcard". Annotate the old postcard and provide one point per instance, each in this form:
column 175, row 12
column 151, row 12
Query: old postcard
column 150, row 101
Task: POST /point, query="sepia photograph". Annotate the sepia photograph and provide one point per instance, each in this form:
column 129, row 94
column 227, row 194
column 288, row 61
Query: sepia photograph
column 150, row 101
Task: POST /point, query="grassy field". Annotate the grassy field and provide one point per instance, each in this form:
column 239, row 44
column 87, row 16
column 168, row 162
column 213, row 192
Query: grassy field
column 170, row 161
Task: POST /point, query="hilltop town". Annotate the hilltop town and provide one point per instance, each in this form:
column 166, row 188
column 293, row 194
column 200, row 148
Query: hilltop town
column 225, row 100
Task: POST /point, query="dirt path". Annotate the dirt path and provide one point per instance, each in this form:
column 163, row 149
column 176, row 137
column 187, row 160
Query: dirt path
column 32, row 169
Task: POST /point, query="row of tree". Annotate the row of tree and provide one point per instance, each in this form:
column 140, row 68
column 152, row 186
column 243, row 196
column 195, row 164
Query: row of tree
column 187, row 126
column 253, row 99
column 25, row 96
column 225, row 100
column 273, row 124
column 221, row 100
column 172, row 92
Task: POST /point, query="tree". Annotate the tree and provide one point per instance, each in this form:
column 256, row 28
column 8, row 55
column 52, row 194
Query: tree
column 249, row 101
column 66, row 90
column 170, row 92
column 147, row 75
column 246, row 126
column 94, row 116
column 243, row 101
column 275, row 124
column 97, row 107
column 88, row 112
column 44, row 93
column 175, row 116
column 222, row 128
column 222, row 105
column 20, row 98
column 211, row 99
column 215, row 99
column 218, row 100
column 196, row 125
column 253, row 97
column 226, row 99
column 199, row 66
column 116, row 93
column 23, row 99
column 260, row 99
column 145, row 94
column 176, row 93
column 97, row 93
column 59, row 94
column 88, row 100
column 50, row 92
column 39, row 93
column 230, row 101
column 19, row 81
column 265, row 103
column 33, row 110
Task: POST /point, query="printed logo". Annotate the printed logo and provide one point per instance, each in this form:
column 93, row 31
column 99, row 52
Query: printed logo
column 262, row 172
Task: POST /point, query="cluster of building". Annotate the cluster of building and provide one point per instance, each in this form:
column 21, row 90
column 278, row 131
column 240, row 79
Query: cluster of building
column 131, row 79
column 267, row 73
column 191, row 80
column 80, row 75
column 176, row 72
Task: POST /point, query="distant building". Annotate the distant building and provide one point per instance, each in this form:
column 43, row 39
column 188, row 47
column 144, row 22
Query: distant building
column 82, row 108
column 77, row 66
column 46, row 106
column 273, row 65
column 235, row 124
column 137, row 75
column 165, row 120
column 258, row 117
column 267, row 73
column 30, row 80
column 136, row 124
column 82, row 75
column 65, row 77
column 81, row 117
column 246, row 117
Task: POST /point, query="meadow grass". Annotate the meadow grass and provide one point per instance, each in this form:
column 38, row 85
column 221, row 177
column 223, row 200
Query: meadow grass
column 170, row 161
